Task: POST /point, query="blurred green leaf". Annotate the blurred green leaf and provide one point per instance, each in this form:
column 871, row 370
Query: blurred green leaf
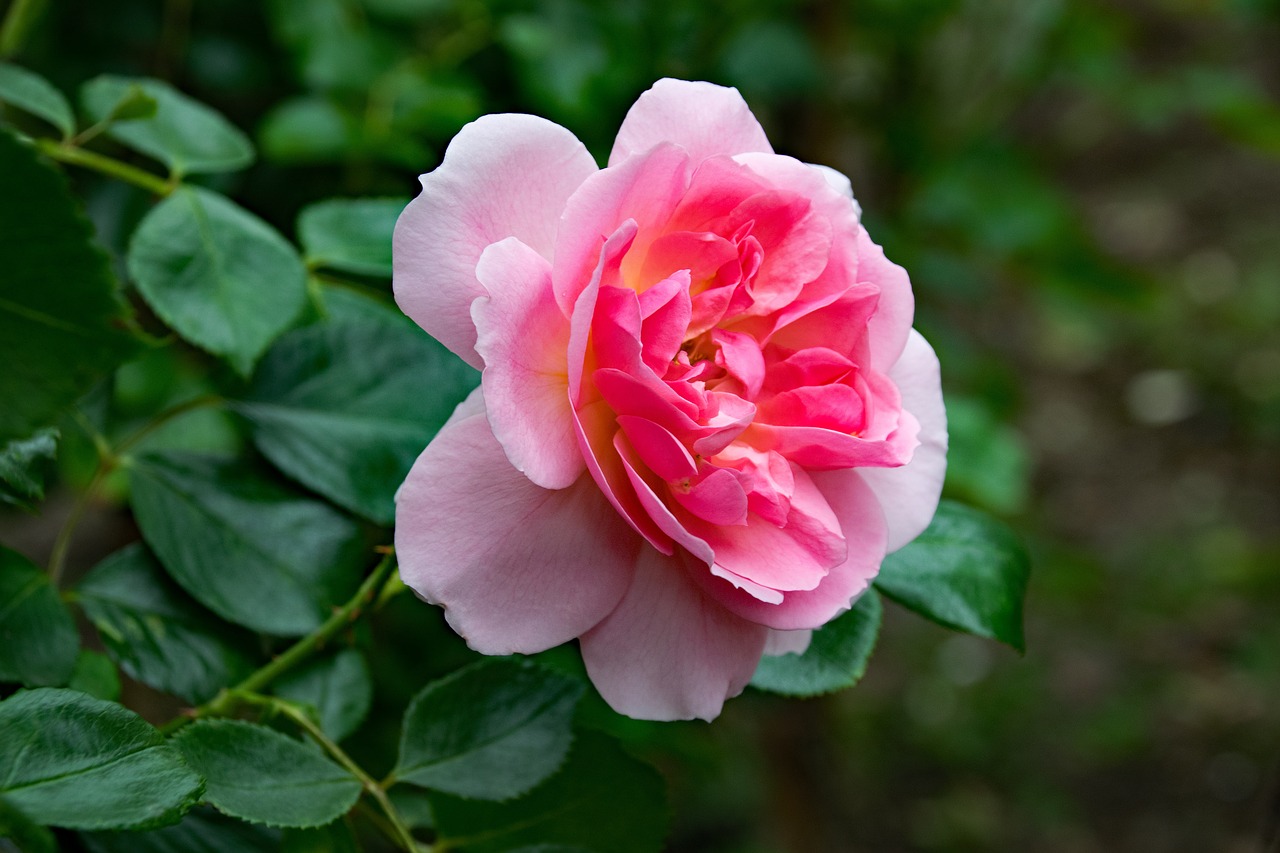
column 491, row 731
column 133, row 104
column 352, row 235
column 218, row 275
column 309, row 129
column 33, row 94
column 601, row 800
column 260, row 775
column 29, row 836
column 61, row 326
column 96, row 675
column 333, row 837
column 836, row 658
column 184, row 134
column 67, row 759
column 967, row 571
column 38, row 640
column 202, row 830
column 986, row 460
column 248, row 548
column 338, row 687
column 159, row 635
column 792, row 69
column 23, row 464
column 345, row 406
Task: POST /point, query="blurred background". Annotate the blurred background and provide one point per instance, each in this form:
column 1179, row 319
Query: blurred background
column 1085, row 195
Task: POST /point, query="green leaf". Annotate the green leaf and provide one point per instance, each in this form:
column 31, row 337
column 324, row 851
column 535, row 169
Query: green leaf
column 96, row 675
column 338, row 687
column 987, row 461
column 61, row 326
column 23, row 464
column 836, row 658
column 352, row 235
column 67, row 759
column 218, row 275
column 33, row 94
column 344, row 407
column 492, row 730
column 967, row 571
column 38, row 640
column 134, row 104
column 260, row 775
column 309, row 129
column 602, row 800
column 203, row 830
column 184, row 134
column 335, row 837
column 29, row 836
column 157, row 634
column 248, row 548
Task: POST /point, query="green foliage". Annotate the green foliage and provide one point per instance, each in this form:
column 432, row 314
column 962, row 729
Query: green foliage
column 490, row 731
column 61, row 328
column 222, row 530
column 29, row 836
column 33, row 94
column 218, row 275
column 262, row 776
column 185, row 135
column 22, row 467
column 836, row 658
column 96, row 675
column 351, row 235
column 602, row 800
column 346, row 406
column 966, row 571
column 337, row 687
column 38, row 639
column 156, row 633
column 67, row 759
column 201, row 830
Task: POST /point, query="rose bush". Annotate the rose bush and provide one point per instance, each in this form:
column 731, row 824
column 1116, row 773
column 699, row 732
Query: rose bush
column 703, row 417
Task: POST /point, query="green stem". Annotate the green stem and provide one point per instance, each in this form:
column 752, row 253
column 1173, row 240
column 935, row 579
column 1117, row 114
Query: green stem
column 164, row 417
column 62, row 544
column 18, row 21
column 226, row 700
column 400, row 831
column 67, row 153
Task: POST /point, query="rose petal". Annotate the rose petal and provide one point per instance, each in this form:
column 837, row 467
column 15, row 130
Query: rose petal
column 890, row 326
column 523, row 339
column 909, row 495
column 502, row 176
column 787, row 642
column 668, row 652
column 517, row 568
column 702, row 118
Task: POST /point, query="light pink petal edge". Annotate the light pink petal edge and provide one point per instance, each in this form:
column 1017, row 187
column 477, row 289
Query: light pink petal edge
column 702, row 118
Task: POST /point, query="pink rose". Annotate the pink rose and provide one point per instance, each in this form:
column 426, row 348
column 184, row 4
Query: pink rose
column 703, row 417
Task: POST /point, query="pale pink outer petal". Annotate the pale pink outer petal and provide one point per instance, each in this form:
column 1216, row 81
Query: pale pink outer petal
column 864, row 529
column 668, row 652
column 517, row 568
column 502, row 176
column 787, row 642
column 890, row 325
column 524, row 340
column 702, row 118
column 909, row 495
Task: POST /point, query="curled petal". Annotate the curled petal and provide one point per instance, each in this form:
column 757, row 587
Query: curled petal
column 702, row 118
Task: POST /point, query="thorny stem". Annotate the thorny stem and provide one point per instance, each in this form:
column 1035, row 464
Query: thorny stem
column 67, row 152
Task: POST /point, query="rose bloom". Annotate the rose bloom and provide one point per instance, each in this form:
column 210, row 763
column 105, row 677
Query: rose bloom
column 703, row 417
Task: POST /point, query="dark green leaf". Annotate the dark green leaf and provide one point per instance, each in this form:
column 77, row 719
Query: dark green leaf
column 23, row 464
column 38, row 640
column 492, row 730
column 836, row 658
column 184, row 134
column 248, row 548
column 602, row 800
column 344, row 407
column 33, row 94
column 353, row 235
column 260, row 775
column 967, row 571
column 203, row 830
column 338, row 687
column 134, row 104
column 61, row 327
column 335, row 837
column 29, row 836
column 67, row 759
column 96, row 675
column 156, row 632
column 218, row 275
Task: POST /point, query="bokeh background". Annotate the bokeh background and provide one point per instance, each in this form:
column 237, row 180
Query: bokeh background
column 1085, row 194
